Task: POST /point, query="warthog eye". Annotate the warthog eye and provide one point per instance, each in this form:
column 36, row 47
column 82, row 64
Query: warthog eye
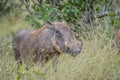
column 58, row 34
column 57, row 31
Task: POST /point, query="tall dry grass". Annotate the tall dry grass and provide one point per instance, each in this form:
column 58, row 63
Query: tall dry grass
column 97, row 61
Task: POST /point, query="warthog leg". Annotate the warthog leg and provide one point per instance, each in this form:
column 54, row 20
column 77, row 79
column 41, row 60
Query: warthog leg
column 55, row 61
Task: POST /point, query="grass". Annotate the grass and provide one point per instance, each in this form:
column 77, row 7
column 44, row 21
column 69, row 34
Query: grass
column 97, row 61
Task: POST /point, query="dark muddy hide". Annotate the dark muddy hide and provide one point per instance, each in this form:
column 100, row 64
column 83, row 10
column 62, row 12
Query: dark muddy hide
column 49, row 42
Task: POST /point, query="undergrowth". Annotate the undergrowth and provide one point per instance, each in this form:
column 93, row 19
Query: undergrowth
column 98, row 60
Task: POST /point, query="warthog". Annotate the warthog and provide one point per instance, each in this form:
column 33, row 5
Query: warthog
column 117, row 39
column 53, row 39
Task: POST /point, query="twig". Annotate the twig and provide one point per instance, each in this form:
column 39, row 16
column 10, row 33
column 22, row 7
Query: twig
column 107, row 13
column 27, row 5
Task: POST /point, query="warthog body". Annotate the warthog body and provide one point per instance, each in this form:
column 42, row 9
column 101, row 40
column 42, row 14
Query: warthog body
column 49, row 42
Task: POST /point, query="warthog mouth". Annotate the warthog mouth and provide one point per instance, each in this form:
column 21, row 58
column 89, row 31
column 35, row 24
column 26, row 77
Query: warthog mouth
column 74, row 54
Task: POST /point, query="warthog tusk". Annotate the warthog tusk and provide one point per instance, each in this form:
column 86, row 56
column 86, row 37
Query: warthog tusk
column 56, row 46
column 67, row 45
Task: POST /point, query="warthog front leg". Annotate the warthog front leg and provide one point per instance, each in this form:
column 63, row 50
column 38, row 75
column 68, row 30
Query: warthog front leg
column 55, row 62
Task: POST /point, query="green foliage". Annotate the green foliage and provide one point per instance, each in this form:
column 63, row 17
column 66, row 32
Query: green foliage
column 41, row 11
column 6, row 6
column 68, row 10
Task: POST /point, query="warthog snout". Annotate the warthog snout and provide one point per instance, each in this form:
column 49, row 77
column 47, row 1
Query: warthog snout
column 74, row 47
column 76, row 50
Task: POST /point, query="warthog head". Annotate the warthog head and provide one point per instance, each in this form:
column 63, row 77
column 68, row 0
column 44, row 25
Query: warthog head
column 64, row 41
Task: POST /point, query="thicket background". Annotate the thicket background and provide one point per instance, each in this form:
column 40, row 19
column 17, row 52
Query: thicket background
column 99, row 59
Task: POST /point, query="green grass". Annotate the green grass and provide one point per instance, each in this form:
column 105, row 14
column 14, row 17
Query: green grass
column 97, row 61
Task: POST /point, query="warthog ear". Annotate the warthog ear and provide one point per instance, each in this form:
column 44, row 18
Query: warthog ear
column 49, row 24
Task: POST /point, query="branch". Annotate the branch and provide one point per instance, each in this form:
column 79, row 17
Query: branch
column 90, row 17
column 107, row 4
column 27, row 5
column 107, row 13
